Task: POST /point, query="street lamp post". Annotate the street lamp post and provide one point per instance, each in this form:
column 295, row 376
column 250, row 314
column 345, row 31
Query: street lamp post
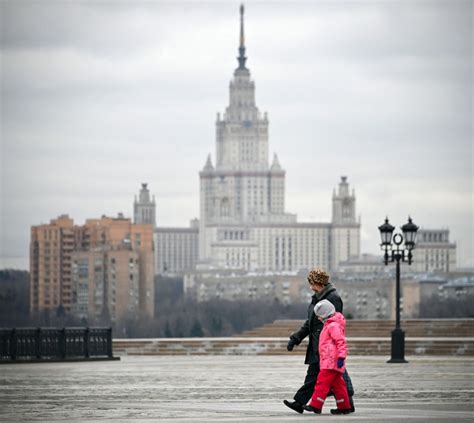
column 398, row 254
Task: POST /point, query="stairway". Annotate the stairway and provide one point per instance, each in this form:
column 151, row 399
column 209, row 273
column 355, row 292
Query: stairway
column 376, row 328
column 365, row 337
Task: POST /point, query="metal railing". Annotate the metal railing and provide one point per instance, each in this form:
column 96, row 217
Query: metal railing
column 27, row 344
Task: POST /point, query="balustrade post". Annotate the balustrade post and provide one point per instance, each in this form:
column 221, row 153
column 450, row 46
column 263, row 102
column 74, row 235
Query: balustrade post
column 13, row 340
column 87, row 342
column 62, row 343
column 38, row 343
column 109, row 342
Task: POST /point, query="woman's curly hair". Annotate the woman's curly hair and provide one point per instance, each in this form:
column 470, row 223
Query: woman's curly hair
column 318, row 276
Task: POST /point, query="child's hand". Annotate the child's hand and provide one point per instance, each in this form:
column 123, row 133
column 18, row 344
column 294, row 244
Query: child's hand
column 340, row 362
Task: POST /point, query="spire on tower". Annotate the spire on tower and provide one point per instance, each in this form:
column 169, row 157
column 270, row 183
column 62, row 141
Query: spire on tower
column 208, row 167
column 242, row 37
column 242, row 57
column 276, row 167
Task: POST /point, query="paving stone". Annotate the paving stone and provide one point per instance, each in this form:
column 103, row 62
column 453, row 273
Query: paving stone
column 230, row 389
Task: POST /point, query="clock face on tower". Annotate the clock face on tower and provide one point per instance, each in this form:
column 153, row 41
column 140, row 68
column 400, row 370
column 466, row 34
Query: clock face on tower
column 247, row 124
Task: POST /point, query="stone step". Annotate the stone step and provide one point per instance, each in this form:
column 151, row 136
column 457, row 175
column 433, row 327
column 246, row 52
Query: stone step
column 361, row 328
column 277, row 346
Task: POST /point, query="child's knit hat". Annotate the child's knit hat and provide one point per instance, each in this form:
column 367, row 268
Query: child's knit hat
column 324, row 309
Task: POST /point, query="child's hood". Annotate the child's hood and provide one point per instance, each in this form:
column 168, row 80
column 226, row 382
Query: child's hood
column 337, row 318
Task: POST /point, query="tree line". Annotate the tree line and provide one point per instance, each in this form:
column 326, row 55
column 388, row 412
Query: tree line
column 177, row 316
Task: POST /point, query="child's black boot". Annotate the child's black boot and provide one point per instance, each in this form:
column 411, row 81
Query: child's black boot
column 339, row 411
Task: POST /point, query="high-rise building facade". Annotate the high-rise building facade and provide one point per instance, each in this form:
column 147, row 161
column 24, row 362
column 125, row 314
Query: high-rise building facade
column 434, row 252
column 176, row 248
column 106, row 283
column 102, row 268
column 51, row 248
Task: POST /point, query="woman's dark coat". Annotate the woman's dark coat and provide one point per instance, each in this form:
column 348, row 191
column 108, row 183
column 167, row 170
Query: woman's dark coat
column 313, row 326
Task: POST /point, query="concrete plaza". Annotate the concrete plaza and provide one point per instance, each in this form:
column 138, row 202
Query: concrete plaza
column 230, row 388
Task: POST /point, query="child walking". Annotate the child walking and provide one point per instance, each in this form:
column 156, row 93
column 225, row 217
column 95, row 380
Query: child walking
column 332, row 355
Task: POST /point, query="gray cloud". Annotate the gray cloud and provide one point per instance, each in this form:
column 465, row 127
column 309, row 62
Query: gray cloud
column 98, row 97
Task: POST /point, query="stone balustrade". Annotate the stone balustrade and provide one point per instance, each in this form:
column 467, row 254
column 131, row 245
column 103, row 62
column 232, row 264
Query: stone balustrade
column 277, row 346
column 453, row 337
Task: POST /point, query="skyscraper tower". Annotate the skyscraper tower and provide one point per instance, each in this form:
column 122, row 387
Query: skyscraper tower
column 242, row 188
column 343, row 204
column 243, row 223
column 345, row 234
column 242, row 133
column 144, row 210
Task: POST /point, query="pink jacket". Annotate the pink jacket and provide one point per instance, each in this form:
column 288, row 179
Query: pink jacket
column 332, row 343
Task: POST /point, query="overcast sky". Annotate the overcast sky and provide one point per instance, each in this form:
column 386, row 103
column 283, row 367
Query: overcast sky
column 98, row 97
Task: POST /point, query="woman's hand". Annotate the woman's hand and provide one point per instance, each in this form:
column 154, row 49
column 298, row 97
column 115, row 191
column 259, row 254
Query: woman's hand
column 291, row 344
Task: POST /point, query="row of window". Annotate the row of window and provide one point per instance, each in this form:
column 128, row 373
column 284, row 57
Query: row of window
column 434, row 237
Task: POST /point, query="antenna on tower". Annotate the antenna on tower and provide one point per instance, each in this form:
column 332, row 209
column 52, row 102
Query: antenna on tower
column 242, row 57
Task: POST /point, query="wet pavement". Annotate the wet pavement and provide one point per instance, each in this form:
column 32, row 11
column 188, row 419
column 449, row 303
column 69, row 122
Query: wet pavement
column 230, row 389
